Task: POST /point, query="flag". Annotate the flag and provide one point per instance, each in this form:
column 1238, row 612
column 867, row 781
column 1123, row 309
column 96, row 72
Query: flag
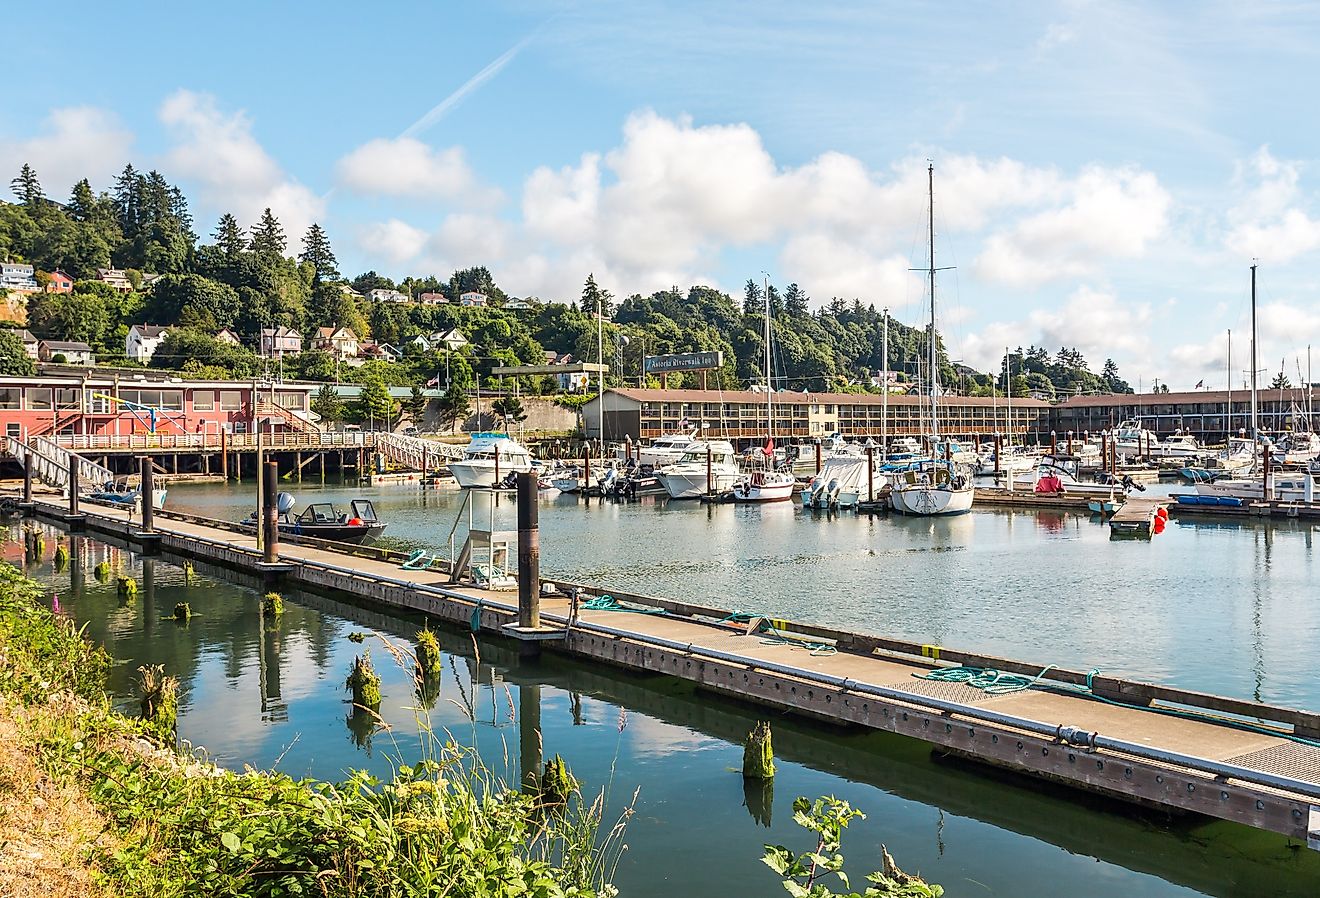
column 769, row 447
column 683, row 422
column 1199, row 384
column 434, row 382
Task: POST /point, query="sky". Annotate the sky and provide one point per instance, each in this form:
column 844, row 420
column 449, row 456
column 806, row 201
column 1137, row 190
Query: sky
column 1105, row 172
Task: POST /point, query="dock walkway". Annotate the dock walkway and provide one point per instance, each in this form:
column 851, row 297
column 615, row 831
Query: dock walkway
column 1266, row 777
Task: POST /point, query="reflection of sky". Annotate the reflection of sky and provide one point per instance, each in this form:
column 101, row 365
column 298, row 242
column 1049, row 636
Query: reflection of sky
column 692, row 798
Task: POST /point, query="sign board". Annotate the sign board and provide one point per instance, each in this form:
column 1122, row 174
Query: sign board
column 683, row 361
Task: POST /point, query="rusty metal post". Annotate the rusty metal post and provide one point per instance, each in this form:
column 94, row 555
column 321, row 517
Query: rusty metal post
column 817, row 456
column 27, row 477
column 270, row 540
column 145, row 487
column 1054, row 443
column 529, row 552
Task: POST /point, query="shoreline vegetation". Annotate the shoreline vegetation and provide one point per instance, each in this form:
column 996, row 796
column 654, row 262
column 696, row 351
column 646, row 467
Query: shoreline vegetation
column 93, row 802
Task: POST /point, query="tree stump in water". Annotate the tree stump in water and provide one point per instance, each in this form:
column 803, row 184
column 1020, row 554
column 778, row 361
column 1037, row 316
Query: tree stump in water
column 364, row 682
column 758, row 754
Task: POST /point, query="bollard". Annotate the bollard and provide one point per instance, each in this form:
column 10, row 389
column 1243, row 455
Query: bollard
column 146, row 487
column 73, row 486
column 271, row 522
column 529, row 554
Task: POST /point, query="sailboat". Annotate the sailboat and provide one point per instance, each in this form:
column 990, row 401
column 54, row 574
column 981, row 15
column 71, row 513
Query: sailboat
column 766, row 484
column 936, row 486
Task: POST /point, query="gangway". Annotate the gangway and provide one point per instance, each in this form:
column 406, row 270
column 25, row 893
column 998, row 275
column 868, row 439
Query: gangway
column 415, row 453
column 50, row 464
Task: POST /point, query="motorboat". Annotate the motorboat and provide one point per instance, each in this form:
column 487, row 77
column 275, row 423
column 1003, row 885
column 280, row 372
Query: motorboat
column 1132, row 439
column 488, row 459
column 686, row 478
column 1180, row 445
column 1059, row 473
column 764, row 486
column 571, row 479
column 1238, row 455
column 121, row 494
column 1013, row 459
column 1292, row 486
column 904, row 447
column 323, row 520
column 665, row 450
column 1297, row 449
column 841, row 483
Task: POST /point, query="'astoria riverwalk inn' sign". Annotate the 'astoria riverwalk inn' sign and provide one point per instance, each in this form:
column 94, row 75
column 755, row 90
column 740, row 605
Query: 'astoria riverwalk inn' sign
column 683, row 361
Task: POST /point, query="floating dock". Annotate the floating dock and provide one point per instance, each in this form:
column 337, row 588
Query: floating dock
column 1160, row 746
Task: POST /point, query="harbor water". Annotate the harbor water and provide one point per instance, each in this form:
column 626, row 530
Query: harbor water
column 1227, row 608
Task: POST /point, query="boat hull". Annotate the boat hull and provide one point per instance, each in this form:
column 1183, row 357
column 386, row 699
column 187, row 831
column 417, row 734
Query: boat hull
column 777, row 491
column 927, row 501
column 693, row 485
column 480, row 474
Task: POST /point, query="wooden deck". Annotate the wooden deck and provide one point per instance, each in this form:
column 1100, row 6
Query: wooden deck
column 1129, row 745
column 1136, row 516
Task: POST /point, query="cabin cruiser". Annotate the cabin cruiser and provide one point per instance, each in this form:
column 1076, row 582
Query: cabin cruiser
column 1292, row 486
column 1297, row 449
column 1180, row 445
column 904, row 446
column 121, row 494
column 1013, row 460
column 664, row 450
column 1061, row 473
column 488, row 459
column 764, row 486
column 1238, row 455
column 686, row 478
column 1132, row 439
column 324, row 521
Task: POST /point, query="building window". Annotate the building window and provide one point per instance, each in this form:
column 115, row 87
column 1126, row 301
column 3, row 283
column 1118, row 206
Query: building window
column 171, row 400
column 292, row 401
column 9, row 397
column 66, row 398
column 231, row 401
column 39, row 399
column 203, row 400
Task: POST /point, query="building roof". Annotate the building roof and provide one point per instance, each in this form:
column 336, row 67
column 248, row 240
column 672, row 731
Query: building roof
column 280, row 331
column 66, row 346
column 58, row 273
column 793, row 398
column 150, row 330
column 26, row 336
column 1108, row 400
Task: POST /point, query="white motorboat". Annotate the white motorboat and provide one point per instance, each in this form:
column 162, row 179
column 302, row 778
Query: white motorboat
column 1180, row 445
column 488, row 459
column 904, row 446
column 937, row 487
column 571, row 480
column 1058, row 473
column 1297, row 449
column 665, row 450
column 1284, row 487
column 841, row 483
column 1013, row 460
column 686, row 478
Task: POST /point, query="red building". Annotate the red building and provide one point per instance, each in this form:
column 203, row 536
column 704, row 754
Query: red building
column 59, row 282
column 124, row 405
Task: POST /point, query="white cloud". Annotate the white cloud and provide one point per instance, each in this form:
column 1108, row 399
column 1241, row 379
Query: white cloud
column 406, row 167
column 1110, row 214
column 1267, row 224
column 217, row 152
column 77, row 142
column 835, row 267
column 467, row 239
column 395, row 241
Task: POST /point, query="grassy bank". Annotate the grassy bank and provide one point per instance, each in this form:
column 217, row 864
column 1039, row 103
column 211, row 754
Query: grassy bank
column 150, row 821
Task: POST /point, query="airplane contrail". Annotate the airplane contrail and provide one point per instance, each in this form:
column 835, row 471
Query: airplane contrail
column 439, row 110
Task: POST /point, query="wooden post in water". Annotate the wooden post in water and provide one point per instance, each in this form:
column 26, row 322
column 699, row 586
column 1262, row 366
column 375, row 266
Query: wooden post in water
column 1267, row 479
column 817, row 456
column 1104, row 451
column 146, row 487
column 271, row 521
column 586, row 465
column 496, row 484
column 870, row 473
column 999, row 449
column 1054, row 443
column 73, row 485
column 224, row 455
column 710, row 483
column 529, row 736
column 27, row 477
column 529, row 554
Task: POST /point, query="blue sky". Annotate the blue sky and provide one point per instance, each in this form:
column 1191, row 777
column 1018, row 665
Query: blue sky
column 1105, row 172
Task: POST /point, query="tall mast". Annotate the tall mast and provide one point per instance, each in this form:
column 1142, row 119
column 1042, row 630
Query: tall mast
column 1255, row 428
column 1228, row 406
column 884, row 383
column 769, row 392
column 934, row 367
column 600, row 373
column 1008, row 392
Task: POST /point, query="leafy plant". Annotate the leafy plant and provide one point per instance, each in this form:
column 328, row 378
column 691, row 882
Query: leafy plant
column 805, row 875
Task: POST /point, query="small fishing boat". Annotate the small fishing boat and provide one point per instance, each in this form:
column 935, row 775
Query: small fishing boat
column 1103, row 506
column 323, row 520
column 121, row 494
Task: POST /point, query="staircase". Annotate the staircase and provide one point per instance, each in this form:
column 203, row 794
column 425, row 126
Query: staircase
column 268, row 409
column 50, row 464
column 414, row 453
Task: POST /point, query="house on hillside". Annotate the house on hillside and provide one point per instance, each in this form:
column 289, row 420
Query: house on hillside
column 18, row 277
column 340, row 342
column 59, row 282
column 420, row 342
column 473, row 298
column 30, row 344
column 452, row 339
column 71, row 352
column 569, row 381
column 142, row 340
column 349, row 291
column 277, row 342
column 432, row 299
column 116, row 278
column 378, row 352
column 383, row 295
column 518, row 305
column 228, row 337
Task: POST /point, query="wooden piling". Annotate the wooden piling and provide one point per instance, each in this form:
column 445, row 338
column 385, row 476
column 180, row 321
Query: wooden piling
column 27, row 478
column 529, row 553
column 73, row 485
column 999, row 449
column 870, row 473
column 271, row 534
column 145, row 486
column 710, row 479
column 818, row 465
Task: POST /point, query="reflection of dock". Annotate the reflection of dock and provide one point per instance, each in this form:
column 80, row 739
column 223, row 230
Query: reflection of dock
column 1157, row 745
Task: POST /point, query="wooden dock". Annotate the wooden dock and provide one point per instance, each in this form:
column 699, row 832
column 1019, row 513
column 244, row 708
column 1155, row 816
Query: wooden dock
column 998, row 497
column 1157, row 745
column 1136, row 517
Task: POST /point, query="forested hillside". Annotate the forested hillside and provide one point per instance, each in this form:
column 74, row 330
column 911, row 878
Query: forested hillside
column 246, row 276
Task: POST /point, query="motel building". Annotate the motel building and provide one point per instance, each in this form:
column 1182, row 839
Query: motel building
column 72, row 408
column 739, row 415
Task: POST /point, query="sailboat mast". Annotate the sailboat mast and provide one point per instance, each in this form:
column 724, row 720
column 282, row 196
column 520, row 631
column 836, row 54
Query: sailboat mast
column 884, row 383
column 769, row 392
column 1255, row 429
column 1228, row 406
column 1008, row 392
column 600, row 373
column 934, row 367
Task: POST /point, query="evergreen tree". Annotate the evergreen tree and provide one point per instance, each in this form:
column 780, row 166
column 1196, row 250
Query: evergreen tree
column 82, row 202
column 777, row 302
column 128, row 200
column 317, row 252
column 752, row 298
column 415, row 405
column 594, row 299
column 14, row 359
column 328, row 404
column 453, row 405
column 795, row 301
column 1280, row 382
column 229, row 237
column 27, row 188
column 268, row 237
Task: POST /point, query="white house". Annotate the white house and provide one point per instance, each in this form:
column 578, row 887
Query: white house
column 452, row 339
column 420, row 342
column 142, row 341
column 569, row 381
column 340, row 342
column 432, row 299
column 473, row 298
column 30, row 344
column 382, row 295
column 518, row 304
column 277, row 342
column 73, row 352
column 17, row 276
column 228, row 336
column 116, row 278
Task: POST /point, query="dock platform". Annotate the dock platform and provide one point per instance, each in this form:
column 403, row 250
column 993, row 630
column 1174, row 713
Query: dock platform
column 1136, row 517
column 1157, row 745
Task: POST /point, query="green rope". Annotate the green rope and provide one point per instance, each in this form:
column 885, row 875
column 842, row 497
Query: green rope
column 609, row 603
column 771, row 636
column 476, row 617
column 994, row 682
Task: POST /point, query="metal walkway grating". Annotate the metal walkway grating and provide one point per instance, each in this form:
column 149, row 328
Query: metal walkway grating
column 949, row 692
column 1292, row 759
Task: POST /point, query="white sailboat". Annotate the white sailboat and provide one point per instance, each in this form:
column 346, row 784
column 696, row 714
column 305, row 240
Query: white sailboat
column 766, row 484
column 938, row 487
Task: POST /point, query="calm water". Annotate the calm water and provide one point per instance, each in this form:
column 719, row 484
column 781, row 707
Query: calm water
column 1228, row 609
